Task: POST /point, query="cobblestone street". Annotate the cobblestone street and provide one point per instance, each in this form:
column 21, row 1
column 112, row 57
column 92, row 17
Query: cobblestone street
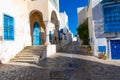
column 64, row 66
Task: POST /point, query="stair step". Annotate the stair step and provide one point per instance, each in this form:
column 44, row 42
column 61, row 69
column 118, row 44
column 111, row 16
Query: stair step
column 32, row 50
column 38, row 54
column 19, row 60
column 29, row 54
column 24, row 57
column 35, row 47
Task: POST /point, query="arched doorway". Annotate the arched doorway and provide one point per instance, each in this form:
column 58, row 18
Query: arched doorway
column 36, row 34
column 54, row 20
column 37, row 28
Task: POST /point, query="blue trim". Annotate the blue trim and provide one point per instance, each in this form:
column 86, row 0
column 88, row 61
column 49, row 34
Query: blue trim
column 8, row 27
column 102, row 48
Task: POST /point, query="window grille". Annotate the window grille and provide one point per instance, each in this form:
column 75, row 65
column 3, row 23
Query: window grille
column 112, row 18
column 8, row 28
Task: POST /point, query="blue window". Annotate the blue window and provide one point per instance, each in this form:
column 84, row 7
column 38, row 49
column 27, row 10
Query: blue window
column 8, row 28
column 50, row 36
column 112, row 18
column 61, row 30
column 102, row 48
column 104, row 1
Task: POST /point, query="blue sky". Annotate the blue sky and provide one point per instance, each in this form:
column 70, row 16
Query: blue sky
column 70, row 6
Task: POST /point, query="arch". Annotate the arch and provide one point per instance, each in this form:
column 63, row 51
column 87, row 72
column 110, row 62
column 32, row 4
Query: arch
column 37, row 17
column 54, row 20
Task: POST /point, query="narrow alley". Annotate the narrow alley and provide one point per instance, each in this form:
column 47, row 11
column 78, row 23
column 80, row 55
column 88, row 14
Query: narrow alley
column 72, row 63
column 60, row 40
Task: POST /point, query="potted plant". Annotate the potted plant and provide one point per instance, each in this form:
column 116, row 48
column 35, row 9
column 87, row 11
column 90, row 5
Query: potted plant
column 103, row 56
column 89, row 48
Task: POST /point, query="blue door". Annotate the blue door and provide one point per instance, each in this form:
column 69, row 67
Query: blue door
column 50, row 36
column 36, row 34
column 115, row 49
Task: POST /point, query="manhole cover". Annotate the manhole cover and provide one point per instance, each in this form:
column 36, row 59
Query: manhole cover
column 57, row 75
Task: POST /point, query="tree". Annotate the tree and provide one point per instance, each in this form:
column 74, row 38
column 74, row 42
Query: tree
column 83, row 33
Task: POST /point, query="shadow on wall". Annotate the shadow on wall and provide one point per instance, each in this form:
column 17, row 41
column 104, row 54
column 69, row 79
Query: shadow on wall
column 97, row 12
column 42, row 38
column 49, row 51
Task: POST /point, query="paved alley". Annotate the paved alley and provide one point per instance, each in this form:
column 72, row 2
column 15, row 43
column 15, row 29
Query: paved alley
column 78, row 64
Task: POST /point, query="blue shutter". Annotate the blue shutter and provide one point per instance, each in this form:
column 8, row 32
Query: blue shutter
column 112, row 18
column 8, row 28
column 12, row 29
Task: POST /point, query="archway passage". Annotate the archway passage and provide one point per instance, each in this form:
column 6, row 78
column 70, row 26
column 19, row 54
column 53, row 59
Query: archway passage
column 54, row 20
column 36, row 34
column 37, row 28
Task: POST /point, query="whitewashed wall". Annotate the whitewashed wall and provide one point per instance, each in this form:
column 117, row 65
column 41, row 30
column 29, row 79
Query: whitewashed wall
column 20, row 10
column 66, row 31
column 96, row 26
column 17, row 10
column 82, row 14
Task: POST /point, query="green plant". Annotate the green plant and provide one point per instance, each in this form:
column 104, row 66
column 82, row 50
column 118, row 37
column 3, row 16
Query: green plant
column 83, row 33
column 89, row 48
column 103, row 55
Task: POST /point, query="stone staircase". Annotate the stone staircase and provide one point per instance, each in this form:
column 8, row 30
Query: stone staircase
column 30, row 54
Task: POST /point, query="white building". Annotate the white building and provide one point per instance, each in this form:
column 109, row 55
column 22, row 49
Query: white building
column 104, row 27
column 95, row 20
column 82, row 14
column 20, row 19
column 65, row 33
